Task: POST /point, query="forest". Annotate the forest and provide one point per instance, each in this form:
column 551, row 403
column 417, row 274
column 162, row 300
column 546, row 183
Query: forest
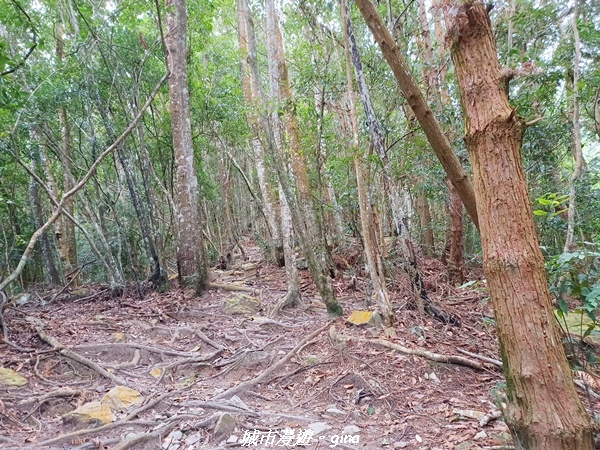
column 306, row 223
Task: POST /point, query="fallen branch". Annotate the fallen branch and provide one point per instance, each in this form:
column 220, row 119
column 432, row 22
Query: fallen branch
column 495, row 362
column 267, row 372
column 448, row 359
column 227, row 407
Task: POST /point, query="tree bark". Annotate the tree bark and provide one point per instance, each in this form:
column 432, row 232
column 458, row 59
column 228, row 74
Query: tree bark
column 191, row 254
column 411, row 92
column 544, row 410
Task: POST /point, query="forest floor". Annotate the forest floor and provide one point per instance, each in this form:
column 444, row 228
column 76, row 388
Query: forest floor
column 216, row 372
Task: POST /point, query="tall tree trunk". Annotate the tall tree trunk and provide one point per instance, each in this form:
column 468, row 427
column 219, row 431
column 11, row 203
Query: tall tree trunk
column 454, row 258
column 157, row 276
column 570, row 243
column 372, row 248
column 411, row 92
column 51, row 273
column 253, row 98
column 307, row 223
column 66, row 235
column 191, row 254
column 427, row 240
column 544, row 411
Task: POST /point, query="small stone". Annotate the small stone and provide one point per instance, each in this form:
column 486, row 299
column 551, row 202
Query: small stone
column 92, row 413
column 235, row 400
column 225, row 425
column 232, row 439
column 351, row 429
column 11, row 379
column 433, row 377
column 175, row 435
column 318, row 427
column 193, row 438
column 480, row 435
column 333, row 409
column 400, row 444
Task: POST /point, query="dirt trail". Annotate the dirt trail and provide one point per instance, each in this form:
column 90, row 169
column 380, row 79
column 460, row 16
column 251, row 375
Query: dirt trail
column 295, row 376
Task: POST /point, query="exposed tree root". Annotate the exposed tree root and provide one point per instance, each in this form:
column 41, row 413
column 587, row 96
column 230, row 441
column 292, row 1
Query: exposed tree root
column 56, row 345
column 290, row 300
column 234, row 287
column 272, row 368
column 448, row 359
column 162, row 351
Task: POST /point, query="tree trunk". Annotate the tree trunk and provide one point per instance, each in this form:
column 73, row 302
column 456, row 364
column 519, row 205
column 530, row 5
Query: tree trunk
column 544, row 410
column 455, row 261
column 570, row 243
column 253, row 98
column 369, row 237
column 51, row 273
column 157, row 276
column 411, row 92
column 191, row 254
column 307, row 223
column 66, row 236
column 427, row 242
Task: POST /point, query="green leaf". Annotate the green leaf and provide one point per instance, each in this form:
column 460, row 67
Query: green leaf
column 539, row 212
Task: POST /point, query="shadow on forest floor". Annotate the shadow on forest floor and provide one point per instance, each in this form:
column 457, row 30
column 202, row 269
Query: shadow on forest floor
column 215, row 372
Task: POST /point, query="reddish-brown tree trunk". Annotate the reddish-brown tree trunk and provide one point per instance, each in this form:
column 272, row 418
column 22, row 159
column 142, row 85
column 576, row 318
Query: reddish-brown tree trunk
column 191, row 255
column 455, row 261
column 544, row 411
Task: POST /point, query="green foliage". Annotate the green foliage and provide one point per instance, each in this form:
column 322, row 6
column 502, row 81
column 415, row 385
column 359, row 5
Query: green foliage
column 576, row 275
column 552, row 204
